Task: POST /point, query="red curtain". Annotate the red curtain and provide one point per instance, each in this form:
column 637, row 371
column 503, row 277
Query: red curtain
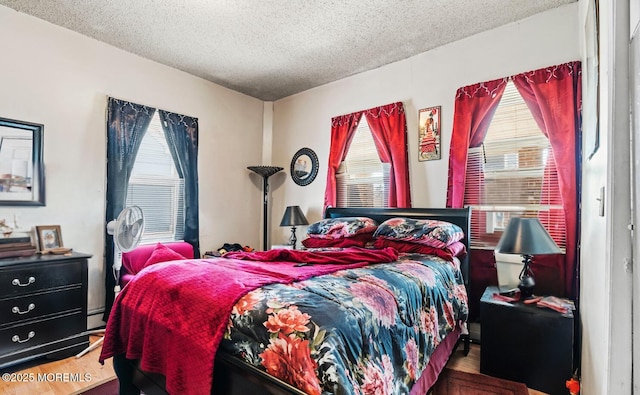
column 342, row 131
column 554, row 97
column 474, row 109
column 389, row 128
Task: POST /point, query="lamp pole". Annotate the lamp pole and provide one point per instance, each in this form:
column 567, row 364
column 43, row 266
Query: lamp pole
column 265, row 172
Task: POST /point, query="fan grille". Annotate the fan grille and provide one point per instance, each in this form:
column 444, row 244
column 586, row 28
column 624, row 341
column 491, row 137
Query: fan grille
column 129, row 228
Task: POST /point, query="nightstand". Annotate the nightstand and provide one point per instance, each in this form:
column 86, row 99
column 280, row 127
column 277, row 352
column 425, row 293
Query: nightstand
column 525, row 343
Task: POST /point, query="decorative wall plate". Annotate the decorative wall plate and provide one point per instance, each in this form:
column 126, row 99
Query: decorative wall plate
column 304, row 166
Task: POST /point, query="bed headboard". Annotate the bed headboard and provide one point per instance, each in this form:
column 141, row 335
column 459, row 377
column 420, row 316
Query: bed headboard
column 458, row 216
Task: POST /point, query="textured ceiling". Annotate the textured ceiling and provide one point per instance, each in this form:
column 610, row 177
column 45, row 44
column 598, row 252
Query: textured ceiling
column 270, row 49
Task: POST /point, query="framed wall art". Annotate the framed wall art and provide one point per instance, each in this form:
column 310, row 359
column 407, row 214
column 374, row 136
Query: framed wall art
column 590, row 77
column 429, row 133
column 304, row 166
column 21, row 166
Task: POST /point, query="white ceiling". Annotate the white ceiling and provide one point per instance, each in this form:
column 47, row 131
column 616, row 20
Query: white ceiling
column 271, row 49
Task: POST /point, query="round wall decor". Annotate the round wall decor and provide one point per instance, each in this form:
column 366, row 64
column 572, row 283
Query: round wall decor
column 304, row 166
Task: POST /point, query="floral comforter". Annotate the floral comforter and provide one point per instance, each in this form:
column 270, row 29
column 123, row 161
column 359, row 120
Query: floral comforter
column 369, row 330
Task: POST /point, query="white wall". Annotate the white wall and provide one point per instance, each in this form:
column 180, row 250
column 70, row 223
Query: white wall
column 428, row 79
column 605, row 277
column 61, row 79
column 634, row 74
column 594, row 273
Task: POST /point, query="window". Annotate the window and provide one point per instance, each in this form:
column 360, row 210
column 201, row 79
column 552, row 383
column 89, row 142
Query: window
column 362, row 180
column 512, row 174
column 156, row 187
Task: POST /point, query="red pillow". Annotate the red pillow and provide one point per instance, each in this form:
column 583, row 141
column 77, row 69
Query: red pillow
column 400, row 246
column 359, row 240
column 162, row 253
column 457, row 249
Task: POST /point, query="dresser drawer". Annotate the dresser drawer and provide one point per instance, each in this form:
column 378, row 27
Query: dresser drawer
column 40, row 304
column 24, row 279
column 19, row 337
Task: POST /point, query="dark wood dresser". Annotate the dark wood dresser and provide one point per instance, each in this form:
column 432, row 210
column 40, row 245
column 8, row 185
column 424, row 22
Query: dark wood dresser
column 43, row 307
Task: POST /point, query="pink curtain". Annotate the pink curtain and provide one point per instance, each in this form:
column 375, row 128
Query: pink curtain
column 554, row 96
column 389, row 128
column 342, row 131
column 474, row 109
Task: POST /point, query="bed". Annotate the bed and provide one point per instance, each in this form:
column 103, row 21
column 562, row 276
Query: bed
column 320, row 321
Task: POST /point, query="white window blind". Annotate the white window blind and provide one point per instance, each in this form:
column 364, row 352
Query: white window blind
column 362, row 180
column 156, row 187
column 512, row 174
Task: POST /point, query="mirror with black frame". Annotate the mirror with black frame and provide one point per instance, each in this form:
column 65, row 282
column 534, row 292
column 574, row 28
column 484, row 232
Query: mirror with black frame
column 304, row 166
column 21, row 165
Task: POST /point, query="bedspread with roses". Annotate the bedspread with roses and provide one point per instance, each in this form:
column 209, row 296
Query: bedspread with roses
column 369, row 330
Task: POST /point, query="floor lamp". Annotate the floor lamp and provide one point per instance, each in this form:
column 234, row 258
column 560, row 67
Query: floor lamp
column 265, row 172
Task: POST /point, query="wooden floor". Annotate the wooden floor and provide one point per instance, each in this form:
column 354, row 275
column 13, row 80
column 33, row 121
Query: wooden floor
column 471, row 363
column 60, row 377
column 97, row 374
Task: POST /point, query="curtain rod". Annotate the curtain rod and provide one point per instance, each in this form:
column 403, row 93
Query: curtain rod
column 156, row 107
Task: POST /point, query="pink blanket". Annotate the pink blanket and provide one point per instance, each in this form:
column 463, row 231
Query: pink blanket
column 336, row 256
column 173, row 315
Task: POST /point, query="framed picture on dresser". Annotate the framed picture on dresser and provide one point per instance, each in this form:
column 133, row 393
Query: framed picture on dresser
column 49, row 237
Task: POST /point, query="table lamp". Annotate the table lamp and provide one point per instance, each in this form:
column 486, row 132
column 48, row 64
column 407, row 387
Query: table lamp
column 527, row 237
column 293, row 216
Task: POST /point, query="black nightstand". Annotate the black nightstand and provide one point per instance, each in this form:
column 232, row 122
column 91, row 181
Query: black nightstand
column 525, row 343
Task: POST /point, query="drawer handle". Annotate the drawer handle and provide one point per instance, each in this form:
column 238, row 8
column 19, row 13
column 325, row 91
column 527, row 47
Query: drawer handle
column 16, row 338
column 16, row 309
column 19, row 284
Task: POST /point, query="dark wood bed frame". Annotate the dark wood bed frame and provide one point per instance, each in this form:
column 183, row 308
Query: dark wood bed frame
column 233, row 376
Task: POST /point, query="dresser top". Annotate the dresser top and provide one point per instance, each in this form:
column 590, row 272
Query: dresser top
column 40, row 258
